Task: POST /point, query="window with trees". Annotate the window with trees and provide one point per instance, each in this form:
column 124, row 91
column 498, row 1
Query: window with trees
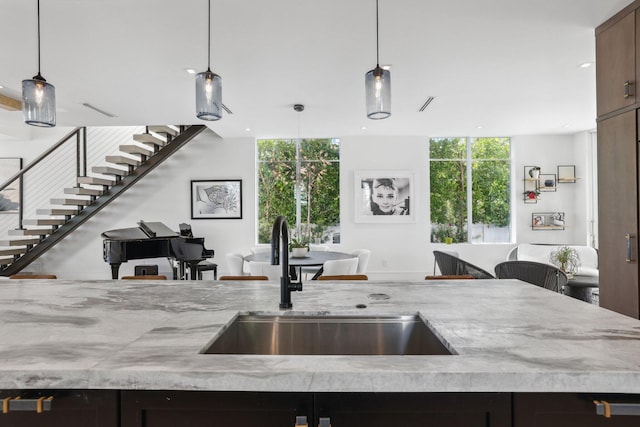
column 300, row 179
column 470, row 181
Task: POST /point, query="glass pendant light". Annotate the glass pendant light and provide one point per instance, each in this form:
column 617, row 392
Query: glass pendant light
column 377, row 84
column 208, row 88
column 38, row 96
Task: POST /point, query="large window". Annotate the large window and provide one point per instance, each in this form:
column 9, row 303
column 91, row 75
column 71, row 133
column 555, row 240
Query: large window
column 470, row 190
column 300, row 179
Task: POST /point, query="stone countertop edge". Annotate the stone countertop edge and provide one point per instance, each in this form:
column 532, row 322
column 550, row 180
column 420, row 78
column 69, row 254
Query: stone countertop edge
column 509, row 336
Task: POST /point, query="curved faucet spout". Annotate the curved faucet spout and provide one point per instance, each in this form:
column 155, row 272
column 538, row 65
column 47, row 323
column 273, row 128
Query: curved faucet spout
column 280, row 245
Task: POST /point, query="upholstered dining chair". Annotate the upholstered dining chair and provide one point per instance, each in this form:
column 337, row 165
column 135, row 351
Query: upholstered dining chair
column 243, row 278
column 363, row 259
column 235, row 263
column 264, row 268
column 544, row 275
column 145, row 277
column 340, row 266
column 451, row 265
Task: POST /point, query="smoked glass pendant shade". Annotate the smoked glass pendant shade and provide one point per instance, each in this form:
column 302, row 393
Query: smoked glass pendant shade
column 378, row 93
column 38, row 102
column 208, row 96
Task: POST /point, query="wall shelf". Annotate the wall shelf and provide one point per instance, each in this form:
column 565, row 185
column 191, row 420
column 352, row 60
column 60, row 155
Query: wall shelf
column 547, row 221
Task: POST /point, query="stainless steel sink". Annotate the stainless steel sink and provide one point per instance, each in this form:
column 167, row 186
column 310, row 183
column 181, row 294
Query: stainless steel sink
column 327, row 335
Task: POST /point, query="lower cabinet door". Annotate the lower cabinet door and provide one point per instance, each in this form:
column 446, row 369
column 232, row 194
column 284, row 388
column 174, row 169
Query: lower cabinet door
column 59, row 408
column 237, row 409
column 413, row 409
column 567, row 410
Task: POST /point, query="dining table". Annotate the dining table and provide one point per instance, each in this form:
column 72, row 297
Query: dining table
column 311, row 259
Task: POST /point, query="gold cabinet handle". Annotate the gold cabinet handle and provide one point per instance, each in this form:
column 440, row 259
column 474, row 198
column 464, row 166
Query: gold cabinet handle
column 628, row 91
column 17, row 404
column 607, row 409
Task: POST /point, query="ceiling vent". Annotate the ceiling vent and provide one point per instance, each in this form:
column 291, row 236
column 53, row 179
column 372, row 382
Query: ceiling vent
column 426, row 104
column 86, row 104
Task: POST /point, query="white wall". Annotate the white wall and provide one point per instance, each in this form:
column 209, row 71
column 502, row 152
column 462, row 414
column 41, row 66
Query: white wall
column 399, row 251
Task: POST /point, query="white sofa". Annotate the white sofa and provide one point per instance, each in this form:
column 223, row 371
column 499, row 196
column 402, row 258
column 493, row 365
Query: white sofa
column 542, row 253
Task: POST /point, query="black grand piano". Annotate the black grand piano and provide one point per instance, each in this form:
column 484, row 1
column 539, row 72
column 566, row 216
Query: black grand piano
column 154, row 240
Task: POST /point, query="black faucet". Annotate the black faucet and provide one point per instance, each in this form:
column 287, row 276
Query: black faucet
column 280, row 233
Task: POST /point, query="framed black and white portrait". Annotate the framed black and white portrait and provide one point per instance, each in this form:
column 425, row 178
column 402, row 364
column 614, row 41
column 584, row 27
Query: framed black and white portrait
column 384, row 197
column 216, row 199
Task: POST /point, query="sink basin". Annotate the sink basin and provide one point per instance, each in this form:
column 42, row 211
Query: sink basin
column 327, row 335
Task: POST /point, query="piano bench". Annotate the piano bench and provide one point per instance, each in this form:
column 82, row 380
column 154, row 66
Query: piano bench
column 207, row 266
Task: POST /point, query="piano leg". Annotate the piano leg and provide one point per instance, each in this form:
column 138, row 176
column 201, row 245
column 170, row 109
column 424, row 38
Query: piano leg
column 115, row 268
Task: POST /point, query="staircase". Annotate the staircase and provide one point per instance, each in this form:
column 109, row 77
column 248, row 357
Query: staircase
column 90, row 194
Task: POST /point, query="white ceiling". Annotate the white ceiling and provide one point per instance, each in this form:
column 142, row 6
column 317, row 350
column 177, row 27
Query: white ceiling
column 510, row 66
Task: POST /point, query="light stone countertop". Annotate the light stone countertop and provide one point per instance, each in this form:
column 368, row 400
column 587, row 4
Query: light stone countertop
column 509, row 336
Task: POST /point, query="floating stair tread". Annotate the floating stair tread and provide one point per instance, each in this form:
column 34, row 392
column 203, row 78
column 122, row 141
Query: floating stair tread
column 31, row 232
column 123, row 160
column 94, row 180
column 19, row 242
column 108, row 170
column 6, row 261
column 81, row 191
column 168, row 130
column 43, row 221
column 58, row 211
column 72, row 202
column 12, row 251
column 136, row 149
column 147, row 138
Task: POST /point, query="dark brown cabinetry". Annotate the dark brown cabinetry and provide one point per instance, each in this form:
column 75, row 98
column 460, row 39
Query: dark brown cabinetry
column 616, row 63
column 67, row 408
column 566, row 409
column 164, row 409
column 618, row 213
column 618, row 66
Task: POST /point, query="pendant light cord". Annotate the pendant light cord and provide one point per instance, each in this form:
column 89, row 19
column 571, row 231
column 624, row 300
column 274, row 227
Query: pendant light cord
column 377, row 31
column 209, row 40
column 38, row 37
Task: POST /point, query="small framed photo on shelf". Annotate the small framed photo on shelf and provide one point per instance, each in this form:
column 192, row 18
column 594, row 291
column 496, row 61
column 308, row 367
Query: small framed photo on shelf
column 547, row 182
column 537, row 221
column 216, row 199
column 566, row 174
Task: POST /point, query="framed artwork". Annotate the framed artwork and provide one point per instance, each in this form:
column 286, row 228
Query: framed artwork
column 10, row 195
column 384, row 197
column 216, row 199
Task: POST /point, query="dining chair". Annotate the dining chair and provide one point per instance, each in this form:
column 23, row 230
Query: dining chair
column 544, row 275
column 235, row 263
column 345, row 277
column 33, row 276
column 451, row 265
column 318, row 248
column 340, row 267
column 264, row 268
column 261, row 248
column 145, row 277
column 243, row 278
column 313, row 270
column 363, row 259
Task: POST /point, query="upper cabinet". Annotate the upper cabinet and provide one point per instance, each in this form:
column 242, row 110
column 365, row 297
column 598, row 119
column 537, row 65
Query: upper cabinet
column 616, row 63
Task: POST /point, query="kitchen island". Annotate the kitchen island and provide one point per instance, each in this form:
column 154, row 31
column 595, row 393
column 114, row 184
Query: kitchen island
column 508, row 338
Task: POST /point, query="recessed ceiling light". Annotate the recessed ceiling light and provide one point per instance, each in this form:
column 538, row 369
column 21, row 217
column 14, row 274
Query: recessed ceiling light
column 386, row 67
column 248, row 129
column 479, row 127
column 585, row 65
column 363, row 128
column 190, row 70
column 1, row 87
